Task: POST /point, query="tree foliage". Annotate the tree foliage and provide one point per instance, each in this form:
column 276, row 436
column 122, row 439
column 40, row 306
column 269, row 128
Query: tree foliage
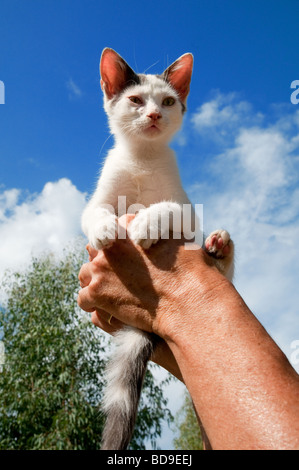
column 52, row 380
column 189, row 431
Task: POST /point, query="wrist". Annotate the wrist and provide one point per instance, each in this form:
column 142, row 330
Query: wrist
column 190, row 298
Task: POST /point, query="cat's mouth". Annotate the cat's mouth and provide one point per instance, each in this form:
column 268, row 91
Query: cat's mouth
column 153, row 128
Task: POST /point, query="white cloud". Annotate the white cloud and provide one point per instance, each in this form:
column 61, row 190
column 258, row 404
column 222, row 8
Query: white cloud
column 223, row 114
column 44, row 222
column 255, row 195
column 8, row 200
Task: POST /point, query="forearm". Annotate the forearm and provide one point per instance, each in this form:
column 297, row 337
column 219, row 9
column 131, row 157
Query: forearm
column 242, row 386
column 164, row 357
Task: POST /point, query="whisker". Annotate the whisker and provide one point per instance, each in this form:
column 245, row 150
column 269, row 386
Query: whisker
column 110, row 135
column 151, row 66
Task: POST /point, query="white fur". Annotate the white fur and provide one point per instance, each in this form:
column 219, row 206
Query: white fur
column 143, row 168
column 140, row 166
column 129, row 342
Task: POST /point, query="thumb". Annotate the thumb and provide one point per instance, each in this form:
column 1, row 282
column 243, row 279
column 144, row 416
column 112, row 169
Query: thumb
column 125, row 220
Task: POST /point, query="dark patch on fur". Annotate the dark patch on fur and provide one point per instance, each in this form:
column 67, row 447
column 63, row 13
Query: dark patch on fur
column 164, row 78
column 140, row 79
column 215, row 255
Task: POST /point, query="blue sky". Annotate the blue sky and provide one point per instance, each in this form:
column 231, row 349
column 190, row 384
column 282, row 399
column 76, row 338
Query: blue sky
column 47, row 132
column 238, row 150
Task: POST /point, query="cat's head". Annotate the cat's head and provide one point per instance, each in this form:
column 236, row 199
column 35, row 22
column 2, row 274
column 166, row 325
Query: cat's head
column 144, row 107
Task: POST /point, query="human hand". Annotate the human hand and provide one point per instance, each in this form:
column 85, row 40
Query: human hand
column 104, row 320
column 179, row 295
column 145, row 289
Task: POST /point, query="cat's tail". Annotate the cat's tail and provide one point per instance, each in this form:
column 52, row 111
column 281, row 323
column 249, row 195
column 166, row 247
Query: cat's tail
column 125, row 373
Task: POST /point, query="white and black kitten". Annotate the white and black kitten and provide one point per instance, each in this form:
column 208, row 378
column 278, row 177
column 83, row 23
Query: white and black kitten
column 144, row 111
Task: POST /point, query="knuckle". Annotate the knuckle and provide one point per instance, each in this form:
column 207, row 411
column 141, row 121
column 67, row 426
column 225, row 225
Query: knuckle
column 84, row 274
column 96, row 285
column 101, row 263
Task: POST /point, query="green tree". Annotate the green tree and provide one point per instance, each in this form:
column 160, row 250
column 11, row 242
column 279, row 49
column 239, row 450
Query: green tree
column 189, row 431
column 52, row 380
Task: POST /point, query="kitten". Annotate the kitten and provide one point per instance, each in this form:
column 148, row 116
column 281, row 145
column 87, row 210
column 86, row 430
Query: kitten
column 144, row 112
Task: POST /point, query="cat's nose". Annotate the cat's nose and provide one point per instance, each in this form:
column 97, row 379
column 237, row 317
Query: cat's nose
column 154, row 116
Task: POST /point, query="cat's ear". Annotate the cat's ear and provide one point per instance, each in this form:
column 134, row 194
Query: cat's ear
column 115, row 73
column 179, row 74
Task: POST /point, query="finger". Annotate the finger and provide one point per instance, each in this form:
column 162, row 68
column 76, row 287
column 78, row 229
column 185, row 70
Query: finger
column 91, row 251
column 125, row 220
column 105, row 321
column 85, row 275
column 85, row 301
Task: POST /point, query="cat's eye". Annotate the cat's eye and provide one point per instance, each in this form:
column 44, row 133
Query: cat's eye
column 169, row 101
column 135, row 99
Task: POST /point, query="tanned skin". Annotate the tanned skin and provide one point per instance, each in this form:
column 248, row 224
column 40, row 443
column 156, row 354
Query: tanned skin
column 243, row 388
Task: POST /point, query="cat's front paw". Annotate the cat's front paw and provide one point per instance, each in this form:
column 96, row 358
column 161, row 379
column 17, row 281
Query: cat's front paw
column 218, row 244
column 104, row 232
column 142, row 231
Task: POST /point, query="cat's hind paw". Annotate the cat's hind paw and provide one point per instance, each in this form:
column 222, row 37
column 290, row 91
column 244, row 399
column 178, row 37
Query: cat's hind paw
column 218, row 244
